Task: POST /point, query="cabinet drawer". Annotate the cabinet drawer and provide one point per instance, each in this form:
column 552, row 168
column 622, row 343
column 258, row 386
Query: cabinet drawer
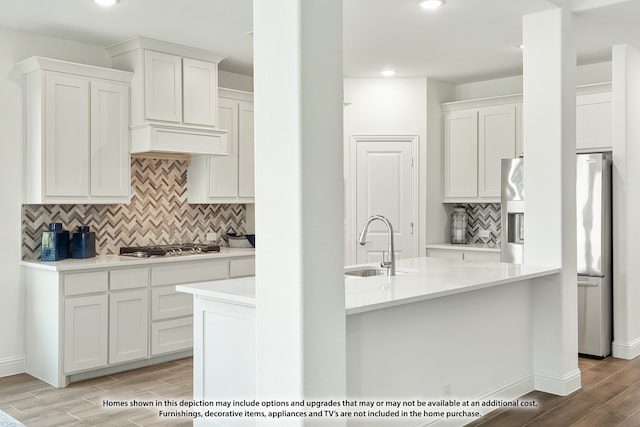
column 242, row 267
column 445, row 253
column 482, row 256
column 189, row 272
column 166, row 303
column 128, row 278
column 171, row 335
column 86, row 283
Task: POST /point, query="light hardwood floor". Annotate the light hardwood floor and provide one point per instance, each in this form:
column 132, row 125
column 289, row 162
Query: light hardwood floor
column 37, row 404
column 610, row 397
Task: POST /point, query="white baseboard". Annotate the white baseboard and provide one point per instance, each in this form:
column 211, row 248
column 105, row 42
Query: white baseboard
column 561, row 386
column 506, row 392
column 627, row 351
column 12, row 366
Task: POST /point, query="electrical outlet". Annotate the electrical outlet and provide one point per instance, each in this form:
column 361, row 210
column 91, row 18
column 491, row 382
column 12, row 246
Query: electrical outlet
column 212, row 236
column 484, row 234
column 446, row 390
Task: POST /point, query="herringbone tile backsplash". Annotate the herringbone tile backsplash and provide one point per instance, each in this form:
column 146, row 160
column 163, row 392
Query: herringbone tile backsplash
column 483, row 216
column 158, row 213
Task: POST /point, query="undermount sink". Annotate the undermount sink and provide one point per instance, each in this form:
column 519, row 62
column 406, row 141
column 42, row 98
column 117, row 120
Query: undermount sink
column 368, row 272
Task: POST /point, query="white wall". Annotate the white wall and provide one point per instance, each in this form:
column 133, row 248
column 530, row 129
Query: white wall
column 384, row 106
column 16, row 46
column 235, row 81
column 585, row 74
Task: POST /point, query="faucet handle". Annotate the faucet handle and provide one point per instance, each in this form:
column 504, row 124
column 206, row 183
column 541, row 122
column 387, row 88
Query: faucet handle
column 385, row 264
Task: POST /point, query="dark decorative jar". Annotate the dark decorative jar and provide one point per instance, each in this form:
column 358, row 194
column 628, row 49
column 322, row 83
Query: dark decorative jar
column 54, row 244
column 459, row 225
column 84, row 243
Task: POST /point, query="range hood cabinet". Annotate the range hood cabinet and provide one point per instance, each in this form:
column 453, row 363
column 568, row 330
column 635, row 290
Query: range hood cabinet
column 174, row 97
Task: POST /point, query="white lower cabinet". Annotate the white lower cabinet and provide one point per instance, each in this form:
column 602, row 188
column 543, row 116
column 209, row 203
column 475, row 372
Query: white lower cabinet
column 128, row 325
column 171, row 335
column 464, row 254
column 79, row 322
column 85, row 332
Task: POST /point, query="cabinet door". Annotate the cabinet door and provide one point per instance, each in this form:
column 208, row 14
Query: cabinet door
column 200, row 92
column 446, row 253
column 246, row 180
column 66, row 135
column 110, row 162
column 461, row 154
column 85, row 332
column 128, row 325
column 223, row 170
column 162, row 86
column 497, row 136
column 594, row 121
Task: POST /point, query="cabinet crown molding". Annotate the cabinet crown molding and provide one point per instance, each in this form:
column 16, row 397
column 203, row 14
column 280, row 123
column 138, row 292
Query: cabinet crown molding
column 139, row 42
column 36, row 63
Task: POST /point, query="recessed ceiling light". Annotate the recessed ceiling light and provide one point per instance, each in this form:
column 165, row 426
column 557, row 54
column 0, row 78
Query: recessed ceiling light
column 521, row 46
column 387, row 73
column 106, row 3
column 431, row 4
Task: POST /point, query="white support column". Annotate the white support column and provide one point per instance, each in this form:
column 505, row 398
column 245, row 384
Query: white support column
column 626, row 201
column 299, row 201
column 549, row 64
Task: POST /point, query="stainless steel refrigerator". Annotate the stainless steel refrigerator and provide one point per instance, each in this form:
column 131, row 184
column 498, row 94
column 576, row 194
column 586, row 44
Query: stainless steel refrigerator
column 594, row 245
column 594, row 254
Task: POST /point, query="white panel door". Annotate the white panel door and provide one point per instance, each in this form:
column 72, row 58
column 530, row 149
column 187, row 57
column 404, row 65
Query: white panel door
column 110, row 164
column 246, row 177
column 66, row 135
column 385, row 185
column 200, row 92
column 128, row 325
column 223, row 170
column 162, row 86
column 496, row 141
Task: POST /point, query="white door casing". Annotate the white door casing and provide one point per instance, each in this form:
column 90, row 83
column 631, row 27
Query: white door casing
column 384, row 182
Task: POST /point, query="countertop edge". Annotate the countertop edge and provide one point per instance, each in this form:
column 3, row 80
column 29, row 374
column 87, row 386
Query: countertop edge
column 462, row 247
column 117, row 261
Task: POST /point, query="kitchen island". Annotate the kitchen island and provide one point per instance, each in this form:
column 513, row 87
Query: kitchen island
column 439, row 329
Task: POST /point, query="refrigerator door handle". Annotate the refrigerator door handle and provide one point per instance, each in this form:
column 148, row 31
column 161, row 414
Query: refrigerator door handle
column 590, row 284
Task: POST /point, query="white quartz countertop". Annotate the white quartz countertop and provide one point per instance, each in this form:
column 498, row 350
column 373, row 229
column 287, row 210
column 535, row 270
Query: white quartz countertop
column 417, row 279
column 110, row 261
column 463, row 247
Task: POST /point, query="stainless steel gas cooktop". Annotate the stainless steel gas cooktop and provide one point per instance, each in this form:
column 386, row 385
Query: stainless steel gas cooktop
column 168, row 250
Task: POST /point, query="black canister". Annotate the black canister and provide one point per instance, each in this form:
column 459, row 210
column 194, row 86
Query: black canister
column 84, row 243
column 54, row 243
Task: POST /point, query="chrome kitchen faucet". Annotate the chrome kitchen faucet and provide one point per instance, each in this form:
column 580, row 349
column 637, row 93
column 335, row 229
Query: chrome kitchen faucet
column 390, row 264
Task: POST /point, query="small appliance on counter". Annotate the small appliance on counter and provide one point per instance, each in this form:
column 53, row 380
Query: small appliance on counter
column 54, row 243
column 459, row 225
column 239, row 240
column 83, row 243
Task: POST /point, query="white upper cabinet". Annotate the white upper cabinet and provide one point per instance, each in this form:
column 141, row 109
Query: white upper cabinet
column 77, row 133
column 174, row 99
column 227, row 179
column 162, row 87
column 594, row 118
column 477, row 136
column 200, row 88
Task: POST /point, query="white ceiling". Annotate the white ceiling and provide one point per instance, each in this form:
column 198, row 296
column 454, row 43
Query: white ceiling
column 465, row 40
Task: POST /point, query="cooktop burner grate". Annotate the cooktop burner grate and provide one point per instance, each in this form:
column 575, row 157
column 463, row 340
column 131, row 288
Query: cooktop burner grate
column 168, row 250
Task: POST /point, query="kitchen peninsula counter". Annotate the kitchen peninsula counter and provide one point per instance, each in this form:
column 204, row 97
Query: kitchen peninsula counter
column 439, row 328
column 417, row 279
